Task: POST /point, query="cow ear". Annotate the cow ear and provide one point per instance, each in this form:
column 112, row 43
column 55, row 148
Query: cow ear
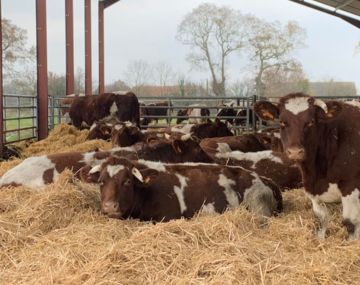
column 177, row 146
column 144, row 177
column 266, row 111
column 89, row 174
column 105, row 130
column 333, row 110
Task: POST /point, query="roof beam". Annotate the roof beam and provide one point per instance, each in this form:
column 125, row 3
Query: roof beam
column 343, row 4
column 108, row 3
column 348, row 19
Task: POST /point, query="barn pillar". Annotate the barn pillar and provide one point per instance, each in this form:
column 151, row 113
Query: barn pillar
column 101, row 48
column 1, row 92
column 69, row 30
column 88, row 73
column 42, row 72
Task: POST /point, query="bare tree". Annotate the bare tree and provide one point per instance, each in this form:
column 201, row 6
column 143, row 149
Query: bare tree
column 79, row 81
column 284, row 80
column 213, row 33
column 14, row 45
column 271, row 46
column 163, row 73
column 138, row 74
column 117, row 85
column 242, row 88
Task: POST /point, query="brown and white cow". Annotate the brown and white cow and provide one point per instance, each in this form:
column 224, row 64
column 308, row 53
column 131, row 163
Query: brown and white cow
column 245, row 143
column 160, row 192
column 157, row 111
column 35, row 172
column 200, row 112
column 199, row 131
column 273, row 165
column 84, row 111
column 323, row 138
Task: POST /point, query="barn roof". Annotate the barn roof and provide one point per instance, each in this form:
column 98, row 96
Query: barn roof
column 348, row 10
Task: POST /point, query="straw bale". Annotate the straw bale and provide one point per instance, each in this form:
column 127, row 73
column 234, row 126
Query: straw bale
column 59, row 236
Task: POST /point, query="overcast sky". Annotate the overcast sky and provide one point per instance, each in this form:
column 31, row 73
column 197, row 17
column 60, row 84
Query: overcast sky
column 146, row 29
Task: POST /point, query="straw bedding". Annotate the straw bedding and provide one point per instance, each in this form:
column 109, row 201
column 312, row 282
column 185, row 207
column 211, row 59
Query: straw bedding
column 59, row 236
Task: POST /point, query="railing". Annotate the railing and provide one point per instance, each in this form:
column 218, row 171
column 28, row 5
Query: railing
column 20, row 112
column 213, row 104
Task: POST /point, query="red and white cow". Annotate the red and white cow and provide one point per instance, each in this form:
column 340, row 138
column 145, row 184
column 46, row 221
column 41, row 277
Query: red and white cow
column 155, row 191
column 323, row 139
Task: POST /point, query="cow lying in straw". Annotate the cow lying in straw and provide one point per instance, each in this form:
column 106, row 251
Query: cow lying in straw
column 35, row 172
column 161, row 192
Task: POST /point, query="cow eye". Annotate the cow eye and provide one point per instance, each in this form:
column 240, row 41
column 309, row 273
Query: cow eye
column 282, row 124
column 309, row 124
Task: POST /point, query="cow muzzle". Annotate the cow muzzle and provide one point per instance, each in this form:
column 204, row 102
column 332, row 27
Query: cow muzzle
column 296, row 153
column 111, row 209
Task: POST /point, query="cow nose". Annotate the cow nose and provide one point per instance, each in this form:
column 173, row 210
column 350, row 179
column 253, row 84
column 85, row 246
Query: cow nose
column 296, row 153
column 110, row 207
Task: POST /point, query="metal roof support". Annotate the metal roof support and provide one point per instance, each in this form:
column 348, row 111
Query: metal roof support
column 1, row 92
column 42, row 76
column 350, row 20
column 88, row 73
column 69, row 31
column 108, row 3
column 343, row 4
column 101, row 48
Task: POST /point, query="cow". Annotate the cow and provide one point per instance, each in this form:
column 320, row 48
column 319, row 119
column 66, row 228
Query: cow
column 161, row 192
column 196, row 110
column 199, row 131
column 64, row 105
column 251, row 142
column 84, row 111
column 35, row 172
column 127, row 134
column 103, row 129
column 273, row 165
column 239, row 116
column 155, row 109
column 322, row 138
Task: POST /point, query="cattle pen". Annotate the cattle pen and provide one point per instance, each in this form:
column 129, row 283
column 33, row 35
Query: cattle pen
column 59, row 235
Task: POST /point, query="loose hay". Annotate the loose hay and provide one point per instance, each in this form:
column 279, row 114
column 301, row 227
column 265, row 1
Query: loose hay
column 64, row 138
column 59, row 236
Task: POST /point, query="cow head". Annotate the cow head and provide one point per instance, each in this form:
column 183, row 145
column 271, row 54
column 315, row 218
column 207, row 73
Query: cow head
column 300, row 117
column 120, row 182
column 181, row 113
column 210, row 130
column 125, row 134
column 174, row 150
column 100, row 130
column 226, row 110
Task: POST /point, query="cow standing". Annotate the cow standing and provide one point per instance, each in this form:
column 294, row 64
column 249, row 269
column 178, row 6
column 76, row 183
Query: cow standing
column 323, row 138
column 84, row 111
column 160, row 192
column 196, row 110
column 159, row 109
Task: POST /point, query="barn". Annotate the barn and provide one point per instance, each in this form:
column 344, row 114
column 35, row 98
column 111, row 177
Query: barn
column 57, row 231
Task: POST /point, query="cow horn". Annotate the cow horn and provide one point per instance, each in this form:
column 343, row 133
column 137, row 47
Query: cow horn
column 321, row 104
column 95, row 169
column 136, row 172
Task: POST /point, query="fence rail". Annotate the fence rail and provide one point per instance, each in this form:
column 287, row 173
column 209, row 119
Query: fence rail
column 20, row 112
